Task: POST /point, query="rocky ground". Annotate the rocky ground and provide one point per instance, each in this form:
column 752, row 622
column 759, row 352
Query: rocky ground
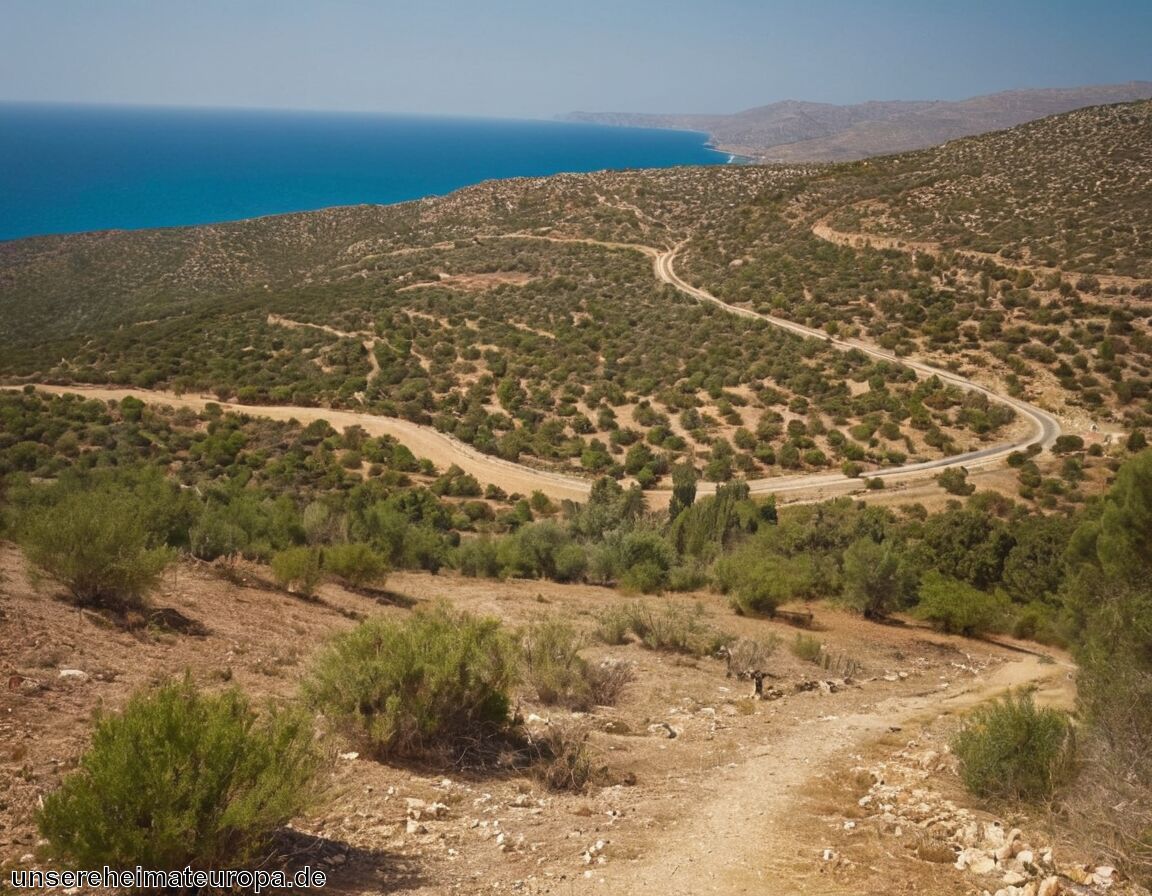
column 833, row 785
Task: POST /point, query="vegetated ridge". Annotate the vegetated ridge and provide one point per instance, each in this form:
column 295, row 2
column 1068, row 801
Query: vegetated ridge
column 797, row 131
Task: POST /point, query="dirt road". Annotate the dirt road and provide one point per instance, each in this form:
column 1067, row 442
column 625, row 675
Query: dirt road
column 742, row 838
column 445, row 450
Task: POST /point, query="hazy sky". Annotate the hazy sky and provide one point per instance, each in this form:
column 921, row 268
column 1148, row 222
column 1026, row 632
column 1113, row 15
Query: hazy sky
column 537, row 58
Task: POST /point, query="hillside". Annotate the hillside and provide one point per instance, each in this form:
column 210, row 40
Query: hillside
column 506, row 827
column 794, row 131
column 448, row 312
column 498, row 510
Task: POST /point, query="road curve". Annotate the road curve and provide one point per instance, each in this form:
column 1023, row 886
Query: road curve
column 444, row 450
column 1045, row 427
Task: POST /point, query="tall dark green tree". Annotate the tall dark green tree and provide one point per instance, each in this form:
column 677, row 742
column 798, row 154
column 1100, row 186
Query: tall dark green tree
column 683, row 489
column 1109, row 597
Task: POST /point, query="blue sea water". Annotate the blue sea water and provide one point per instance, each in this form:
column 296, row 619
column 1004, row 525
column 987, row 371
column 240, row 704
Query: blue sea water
column 73, row 168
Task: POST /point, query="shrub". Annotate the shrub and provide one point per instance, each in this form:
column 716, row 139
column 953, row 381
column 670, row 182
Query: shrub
column 614, row 626
column 807, row 647
column 98, row 544
column 553, row 667
column 747, row 655
column 357, row 564
column 956, row 607
column 571, row 562
column 643, row 559
column 1067, row 444
column 672, row 628
column 182, row 778
column 216, row 535
column 954, row 480
column 298, row 570
column 677, row 629
column 876, row 578
column 437, row 681
column 608, row 679
column 1014, row 750
column 478, row 557
column 757, row 582
column 566, row 761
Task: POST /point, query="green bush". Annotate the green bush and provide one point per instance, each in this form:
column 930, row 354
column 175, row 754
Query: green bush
column 552, row 665
column 956, row 607
column 757, row 582
column 614, row 625
column 876, row 577
column 298, row 569
column 98, row 544
column 477, row 557
column 954, row 480
column 554, row 669
column 1014, row 750
column 357, row 564
column 671, row 627
column 216, row 535
column 643, row 559
column 438, row 681
column 807, row 647
column 182, row 778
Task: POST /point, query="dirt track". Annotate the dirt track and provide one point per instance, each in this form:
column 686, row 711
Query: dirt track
column 741, row 839
column 725, row 807
column 444, row 450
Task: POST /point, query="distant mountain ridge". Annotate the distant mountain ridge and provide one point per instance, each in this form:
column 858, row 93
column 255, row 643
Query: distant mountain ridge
column 797, row 131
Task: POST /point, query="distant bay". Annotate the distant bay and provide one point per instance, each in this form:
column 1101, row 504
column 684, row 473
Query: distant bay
column 65, row 169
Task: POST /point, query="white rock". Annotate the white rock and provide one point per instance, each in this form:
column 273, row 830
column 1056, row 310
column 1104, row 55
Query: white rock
column 983, row 865
column 350, row 756
column 73, row 674
column 415, row 827
column 1050, row 886
column 1025, row 856
column 968, row 856
column 1005, row 850
column 1103, row 874
column 1014, row 879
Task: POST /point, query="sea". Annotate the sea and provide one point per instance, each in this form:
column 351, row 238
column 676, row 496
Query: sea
column 65, row 169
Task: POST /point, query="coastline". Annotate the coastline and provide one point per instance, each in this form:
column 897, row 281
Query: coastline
column 116, row 168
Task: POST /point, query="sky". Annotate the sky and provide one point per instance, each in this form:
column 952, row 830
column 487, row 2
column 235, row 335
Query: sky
column 541, row 58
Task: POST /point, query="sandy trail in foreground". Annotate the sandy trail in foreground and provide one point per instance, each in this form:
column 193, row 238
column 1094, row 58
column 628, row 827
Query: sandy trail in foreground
column 741, row 839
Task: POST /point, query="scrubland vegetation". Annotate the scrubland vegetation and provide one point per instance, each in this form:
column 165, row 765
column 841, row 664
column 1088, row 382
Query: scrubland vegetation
column 440, row 686
column 445, row 313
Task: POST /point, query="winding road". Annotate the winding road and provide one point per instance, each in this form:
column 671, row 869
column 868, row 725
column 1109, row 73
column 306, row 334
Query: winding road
column 445, row 450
